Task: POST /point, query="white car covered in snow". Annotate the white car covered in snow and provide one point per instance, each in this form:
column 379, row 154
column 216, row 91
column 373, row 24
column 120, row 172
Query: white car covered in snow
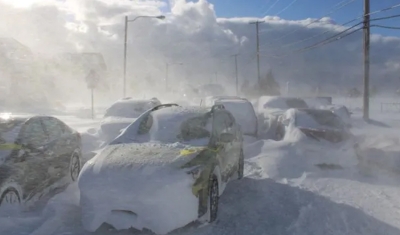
column 122, row 113
column 165, row 170
column 241, row 109
column 319, row 131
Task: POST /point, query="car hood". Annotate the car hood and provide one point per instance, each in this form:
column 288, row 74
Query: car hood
column 136, row 156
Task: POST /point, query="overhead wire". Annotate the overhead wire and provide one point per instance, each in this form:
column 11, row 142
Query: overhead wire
column 344, row 24
column 287, row 7
column 384, row 26
column 340, row 35
column 270, row 7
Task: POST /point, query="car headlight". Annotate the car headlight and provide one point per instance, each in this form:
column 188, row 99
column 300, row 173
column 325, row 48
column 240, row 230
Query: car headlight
column 195, row 171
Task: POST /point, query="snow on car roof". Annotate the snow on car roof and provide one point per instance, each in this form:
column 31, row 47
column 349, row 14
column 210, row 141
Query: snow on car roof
column 279, row 102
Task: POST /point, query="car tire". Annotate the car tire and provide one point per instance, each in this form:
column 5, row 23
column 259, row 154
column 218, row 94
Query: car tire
column 213, row 199
column 75, row 166
column 240, row 172
column 11, row 196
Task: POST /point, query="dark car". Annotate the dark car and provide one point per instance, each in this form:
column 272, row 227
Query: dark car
column 190, row 152
column 37, row 154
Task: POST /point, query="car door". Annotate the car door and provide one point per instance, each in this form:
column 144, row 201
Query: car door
column 60, row 147
column 236, row 145
column 32, row 161
column 219, row 126
column 233, row 147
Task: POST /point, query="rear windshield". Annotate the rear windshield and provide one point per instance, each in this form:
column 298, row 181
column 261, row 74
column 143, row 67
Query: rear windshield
column 325, row 118
column 296, row 103
column 129, row 109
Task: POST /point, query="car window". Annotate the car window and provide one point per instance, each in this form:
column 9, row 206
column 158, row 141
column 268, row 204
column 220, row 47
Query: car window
column 33, row 133
column 53, row 127
column 194, row 128
column 221, row 122
column 145, row 125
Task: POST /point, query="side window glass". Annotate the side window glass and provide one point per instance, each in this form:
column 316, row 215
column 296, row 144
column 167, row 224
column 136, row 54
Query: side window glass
column 53, row 128
column 220, row 123
column 145, row 125
column 34, row 134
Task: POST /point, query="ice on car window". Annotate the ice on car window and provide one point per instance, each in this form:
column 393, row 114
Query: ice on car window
column 194, row 128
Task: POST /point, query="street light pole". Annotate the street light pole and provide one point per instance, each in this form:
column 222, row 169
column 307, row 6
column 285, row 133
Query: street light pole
column 160, row 17
column 125, row 49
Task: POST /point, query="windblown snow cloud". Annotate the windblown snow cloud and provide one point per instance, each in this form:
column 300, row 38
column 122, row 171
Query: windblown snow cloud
column 193, row 34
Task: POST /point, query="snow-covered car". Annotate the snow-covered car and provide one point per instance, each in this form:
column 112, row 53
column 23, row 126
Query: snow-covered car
column 271, row 107
column 341, row 111
column 241, row 109
column 122, row 113
column 37, row 154
column 165, row 170
column 320, row 133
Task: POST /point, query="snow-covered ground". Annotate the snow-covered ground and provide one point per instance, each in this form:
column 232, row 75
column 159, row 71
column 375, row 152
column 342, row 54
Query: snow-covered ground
column 281, row 192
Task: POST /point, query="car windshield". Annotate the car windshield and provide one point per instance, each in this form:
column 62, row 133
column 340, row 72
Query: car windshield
column 128, row 109
column 188, row 128
column 318, row 118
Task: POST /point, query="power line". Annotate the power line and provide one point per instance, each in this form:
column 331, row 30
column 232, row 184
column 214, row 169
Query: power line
column 288, row 6
column 384, row 26
column 270, row 7
column 336, row 8
column 327, row 31
column 340, row 35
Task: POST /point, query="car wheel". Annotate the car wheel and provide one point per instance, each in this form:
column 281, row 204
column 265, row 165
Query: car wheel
column 213, row 199
column 75, row 166
column 240, row 172
column 10, row 197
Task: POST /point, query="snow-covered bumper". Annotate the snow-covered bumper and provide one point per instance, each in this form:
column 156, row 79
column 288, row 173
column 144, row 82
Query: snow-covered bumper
column 153, row 197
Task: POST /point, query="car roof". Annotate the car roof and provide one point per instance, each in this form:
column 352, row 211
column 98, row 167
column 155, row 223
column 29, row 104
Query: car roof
column 316, row 111
column 181, row 109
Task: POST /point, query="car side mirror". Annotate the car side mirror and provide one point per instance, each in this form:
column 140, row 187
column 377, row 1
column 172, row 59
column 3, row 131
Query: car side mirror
column 226, row 137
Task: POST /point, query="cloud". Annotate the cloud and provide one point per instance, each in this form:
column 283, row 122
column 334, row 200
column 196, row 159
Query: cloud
column 194, row 35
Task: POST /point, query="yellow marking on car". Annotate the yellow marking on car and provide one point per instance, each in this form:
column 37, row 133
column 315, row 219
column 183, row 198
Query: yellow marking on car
column 9, row 146
column 185, row 152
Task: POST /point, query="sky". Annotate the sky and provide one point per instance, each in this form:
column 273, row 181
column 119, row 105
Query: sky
column 199, row 38
column 302, row 9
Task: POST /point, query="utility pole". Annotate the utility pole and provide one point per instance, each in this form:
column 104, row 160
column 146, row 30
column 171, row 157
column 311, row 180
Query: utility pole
column 236, row 74
column 366, row 59
column 125, row 49
column 216, row 77
column 258, row 47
